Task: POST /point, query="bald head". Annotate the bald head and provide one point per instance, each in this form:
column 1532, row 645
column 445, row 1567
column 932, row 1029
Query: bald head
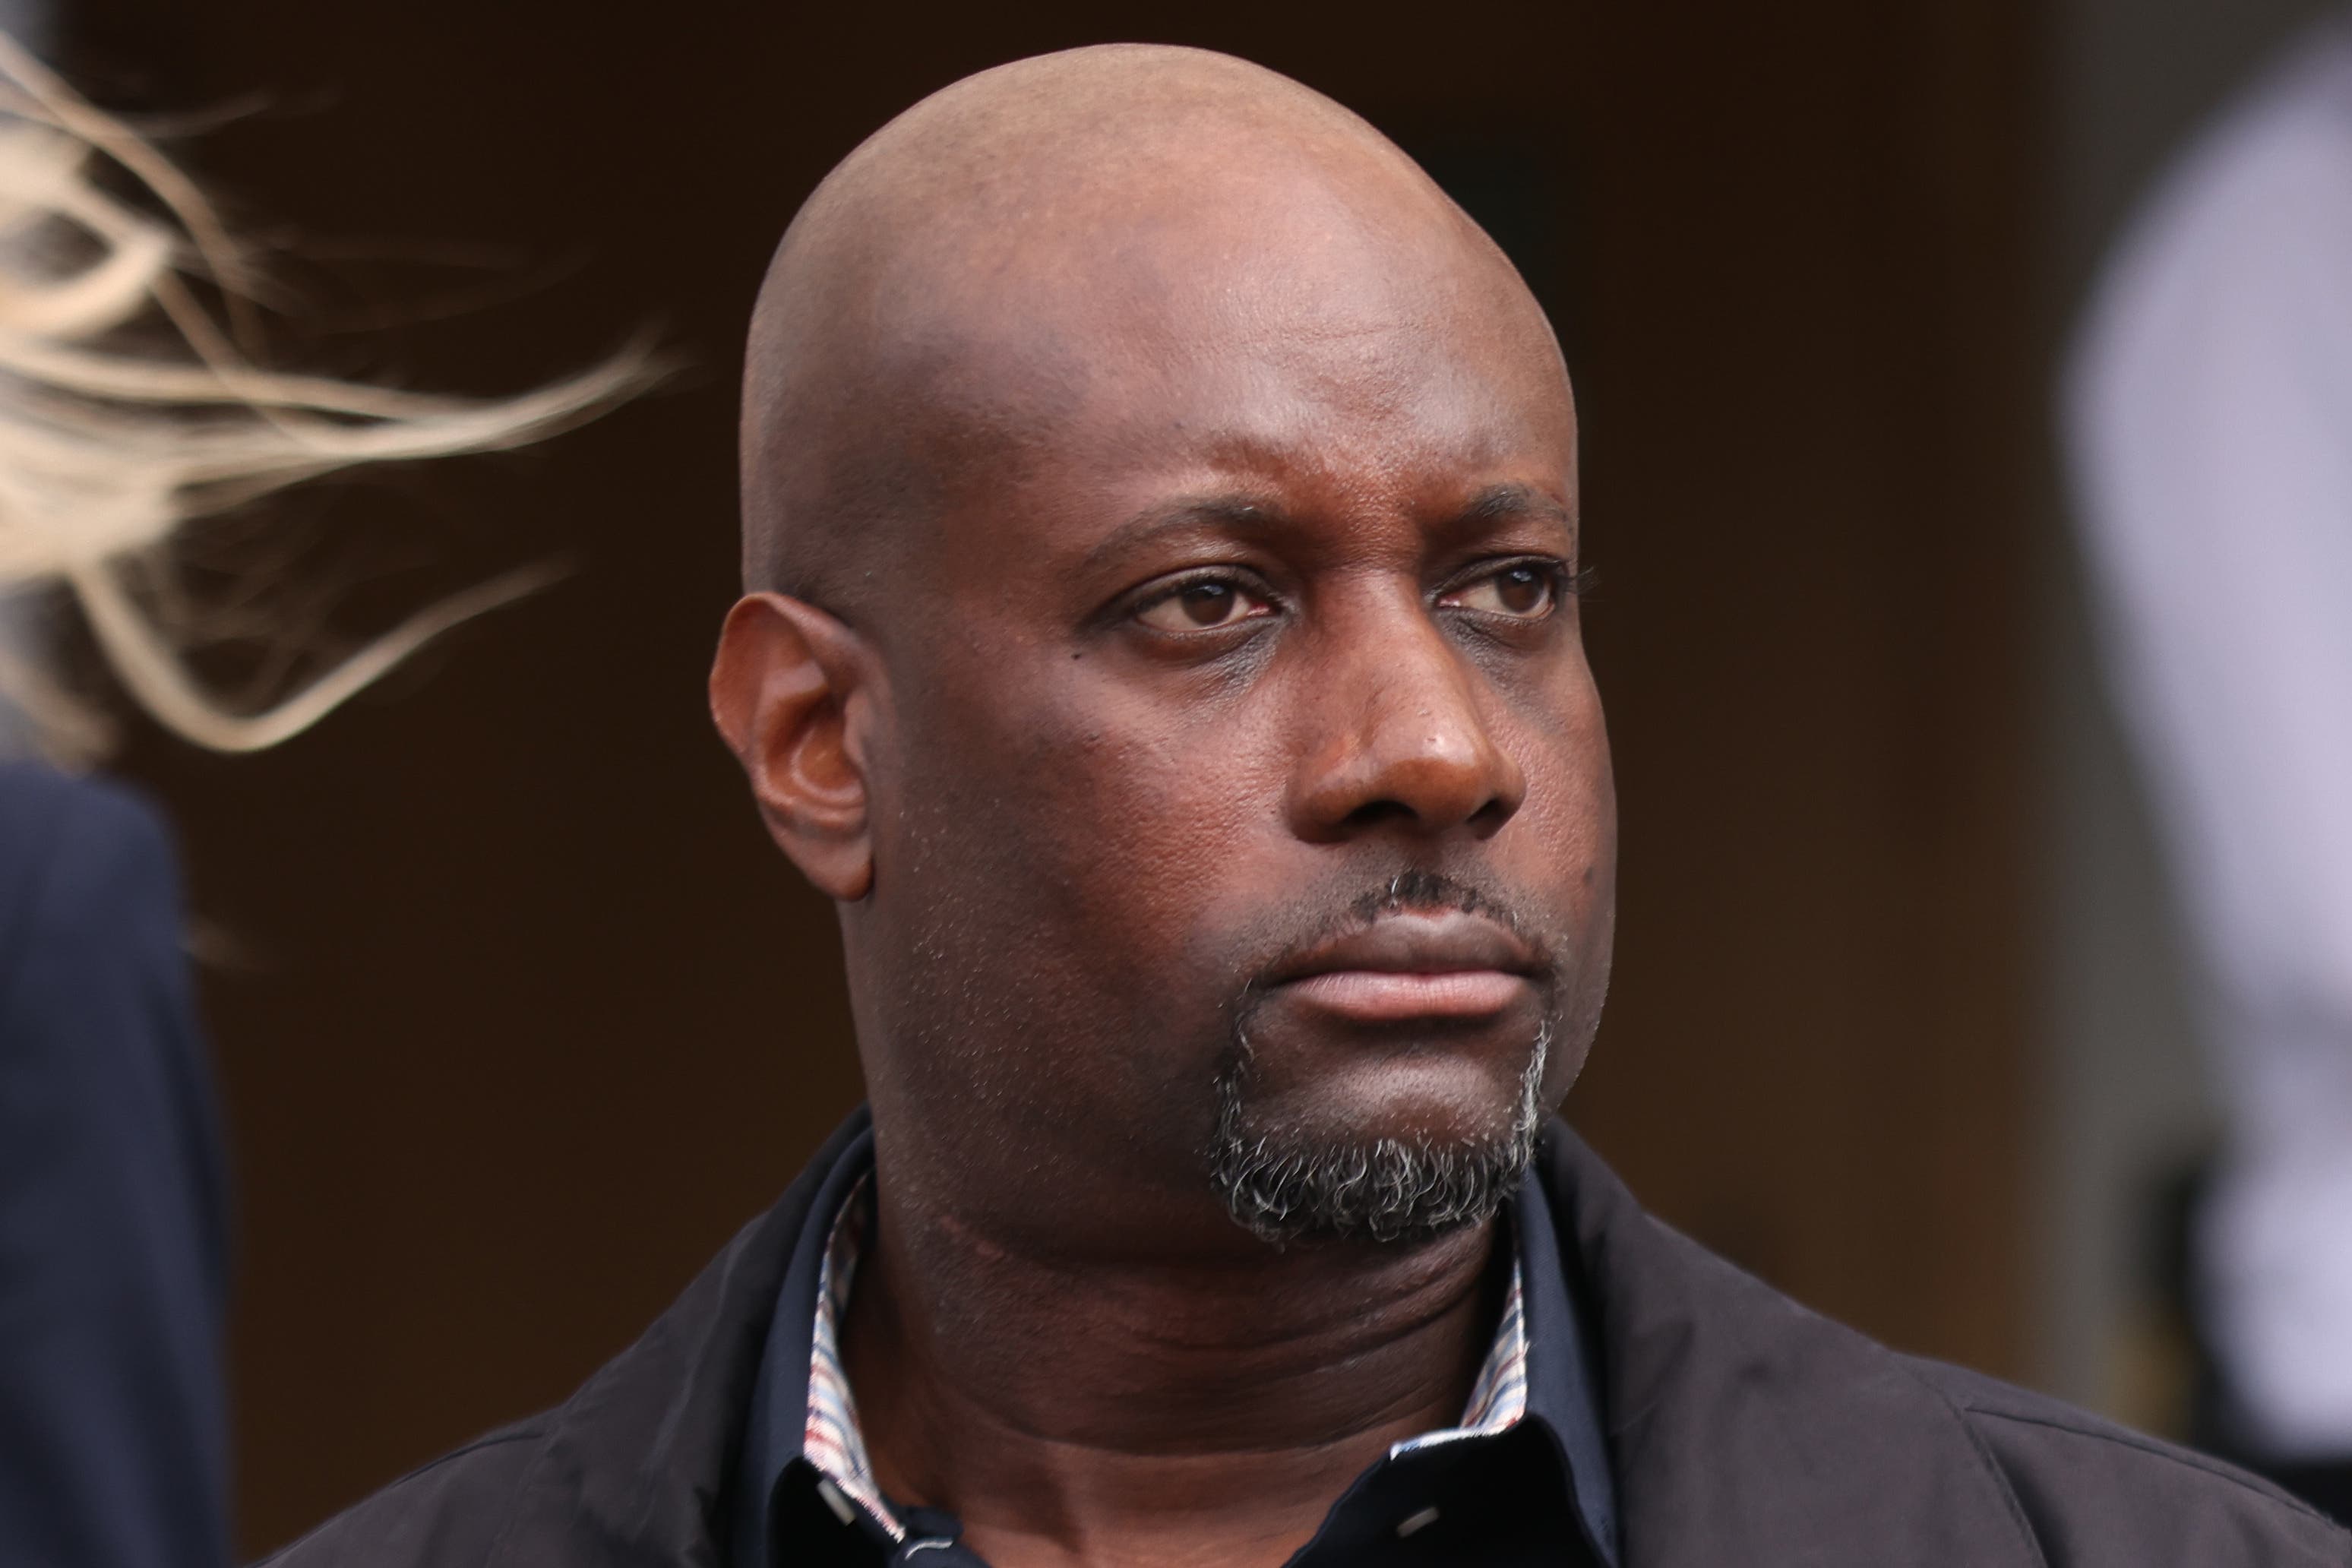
column 950, row 292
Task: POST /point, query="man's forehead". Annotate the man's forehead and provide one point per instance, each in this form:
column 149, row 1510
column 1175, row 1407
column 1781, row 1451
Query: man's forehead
column 1103, row 491
column 1112, row 416
column 1239, row 373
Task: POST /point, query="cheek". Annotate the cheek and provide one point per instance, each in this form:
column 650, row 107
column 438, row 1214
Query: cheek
column 1149, row 818
column 1567, row 825
column 1065, row 850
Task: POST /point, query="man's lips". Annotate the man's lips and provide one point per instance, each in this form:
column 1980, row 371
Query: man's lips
column 1408, row 966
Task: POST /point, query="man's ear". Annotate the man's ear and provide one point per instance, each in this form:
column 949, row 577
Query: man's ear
column 786, row 687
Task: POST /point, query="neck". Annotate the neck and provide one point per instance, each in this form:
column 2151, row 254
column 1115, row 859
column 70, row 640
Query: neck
column 1139, row 1411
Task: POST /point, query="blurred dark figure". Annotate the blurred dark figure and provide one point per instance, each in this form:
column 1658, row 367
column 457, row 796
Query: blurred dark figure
column 2214, row 1411
column 2211, row 425
column 127, row 412
column 114, row 1254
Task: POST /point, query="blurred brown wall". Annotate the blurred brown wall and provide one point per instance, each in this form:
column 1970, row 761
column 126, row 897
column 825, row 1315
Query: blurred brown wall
column 522, row 1016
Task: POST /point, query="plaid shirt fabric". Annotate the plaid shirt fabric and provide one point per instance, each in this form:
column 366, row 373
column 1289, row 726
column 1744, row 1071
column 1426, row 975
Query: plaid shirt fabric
column 833, row 1444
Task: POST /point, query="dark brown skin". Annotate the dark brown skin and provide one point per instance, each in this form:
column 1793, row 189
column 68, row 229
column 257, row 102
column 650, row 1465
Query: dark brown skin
column 1176, row 497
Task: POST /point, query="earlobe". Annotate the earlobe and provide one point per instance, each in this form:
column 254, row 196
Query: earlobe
column 782, row 688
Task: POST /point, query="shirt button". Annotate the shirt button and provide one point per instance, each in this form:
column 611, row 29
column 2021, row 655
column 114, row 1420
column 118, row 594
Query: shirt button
column 836, row 1500
column 1412, row 1523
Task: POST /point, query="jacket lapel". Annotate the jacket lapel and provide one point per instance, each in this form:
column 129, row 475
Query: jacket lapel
column 1746, row 1429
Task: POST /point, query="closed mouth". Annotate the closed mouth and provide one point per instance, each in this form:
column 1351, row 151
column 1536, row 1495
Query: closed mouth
column 1411, row 964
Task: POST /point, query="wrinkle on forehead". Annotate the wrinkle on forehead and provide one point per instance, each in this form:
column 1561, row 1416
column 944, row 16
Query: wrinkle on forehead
column 958, row 287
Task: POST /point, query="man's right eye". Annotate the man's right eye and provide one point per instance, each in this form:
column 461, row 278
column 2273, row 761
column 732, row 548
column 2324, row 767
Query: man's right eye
column 1203, row 605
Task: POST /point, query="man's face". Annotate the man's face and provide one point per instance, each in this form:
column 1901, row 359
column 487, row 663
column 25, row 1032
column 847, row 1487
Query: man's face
column 1243, row 784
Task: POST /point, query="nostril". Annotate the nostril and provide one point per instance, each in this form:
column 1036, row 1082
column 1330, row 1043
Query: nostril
column 1490, row 816
column 1374, row 812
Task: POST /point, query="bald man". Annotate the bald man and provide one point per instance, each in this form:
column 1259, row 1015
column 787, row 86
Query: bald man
column 1160, row 639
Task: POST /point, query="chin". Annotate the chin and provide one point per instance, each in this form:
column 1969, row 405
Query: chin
column 1399, row 1144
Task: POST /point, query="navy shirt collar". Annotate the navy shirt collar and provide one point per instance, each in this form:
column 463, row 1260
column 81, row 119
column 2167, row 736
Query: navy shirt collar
column 1563, row 1401
column 1563, row 1369
column 776, row 1429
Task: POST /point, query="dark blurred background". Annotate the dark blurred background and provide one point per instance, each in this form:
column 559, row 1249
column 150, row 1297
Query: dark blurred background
column 517, row 1014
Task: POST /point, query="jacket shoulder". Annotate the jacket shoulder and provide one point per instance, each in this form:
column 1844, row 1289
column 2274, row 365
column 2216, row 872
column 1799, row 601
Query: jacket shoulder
column 38, row 805
column 2098, row 1495
column 448, row 1514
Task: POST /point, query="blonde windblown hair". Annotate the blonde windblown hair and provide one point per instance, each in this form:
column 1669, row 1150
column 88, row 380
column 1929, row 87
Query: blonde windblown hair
column 107, row 452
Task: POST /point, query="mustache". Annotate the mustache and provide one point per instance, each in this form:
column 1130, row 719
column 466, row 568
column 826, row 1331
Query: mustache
column 1415, row 890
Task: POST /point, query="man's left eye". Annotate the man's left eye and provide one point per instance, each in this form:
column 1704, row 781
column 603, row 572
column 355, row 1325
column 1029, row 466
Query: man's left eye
column 1524, row 591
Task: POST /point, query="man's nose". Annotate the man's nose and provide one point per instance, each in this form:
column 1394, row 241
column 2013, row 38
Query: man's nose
column 1400, row 740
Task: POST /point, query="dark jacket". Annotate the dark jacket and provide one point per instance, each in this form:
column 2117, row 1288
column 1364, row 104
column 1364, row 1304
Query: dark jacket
column 113, row 1442
column 1747, row 1431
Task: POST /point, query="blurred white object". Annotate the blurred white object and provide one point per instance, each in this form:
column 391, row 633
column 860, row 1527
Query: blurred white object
column 109, row 449
column 2209, row 424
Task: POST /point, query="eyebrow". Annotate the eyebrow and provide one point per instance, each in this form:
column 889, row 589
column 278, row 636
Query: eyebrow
column 1234, row 512
column 1499, row 503
column 1496, row 503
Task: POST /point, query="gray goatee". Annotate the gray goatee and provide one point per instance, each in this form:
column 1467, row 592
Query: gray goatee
column 1286, row 1189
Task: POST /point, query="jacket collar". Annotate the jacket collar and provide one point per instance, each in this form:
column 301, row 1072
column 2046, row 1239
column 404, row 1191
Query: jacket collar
column 1747, row 1429
column 1744, row 1427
